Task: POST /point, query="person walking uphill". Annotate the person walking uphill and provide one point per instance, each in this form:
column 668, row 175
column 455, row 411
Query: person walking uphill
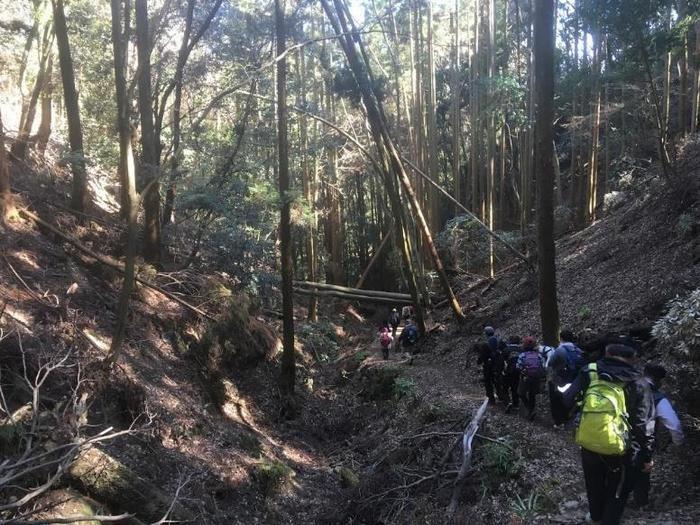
column 491, row 360
column 667, row 417
column 531, row 367
column 394, row 320
column 615, row 432
column 563, row 365
column 511, row 374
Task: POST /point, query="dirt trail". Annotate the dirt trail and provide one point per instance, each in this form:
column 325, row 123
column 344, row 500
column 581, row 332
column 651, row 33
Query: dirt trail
column 551, row 459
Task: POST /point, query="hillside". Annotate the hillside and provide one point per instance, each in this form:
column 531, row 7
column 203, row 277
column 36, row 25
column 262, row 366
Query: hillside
column 371, row 435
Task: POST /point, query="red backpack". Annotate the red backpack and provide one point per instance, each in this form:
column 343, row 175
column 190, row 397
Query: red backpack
column 384, row 339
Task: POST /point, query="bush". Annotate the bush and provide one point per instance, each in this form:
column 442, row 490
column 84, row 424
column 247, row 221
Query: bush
column 679, row 329
column 527, row 508
column 404, row 387
column 320, row 339
column 464, row 245
column 502, row 457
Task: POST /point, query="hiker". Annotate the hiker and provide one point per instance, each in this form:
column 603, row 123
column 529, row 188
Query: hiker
column 385, row 340
column 511, row 374
column 409, row 335
column 563, row 365
column 406, row 313
column 394, row 321
column 615, row 431
column 497, row 347
column 530, row 364
column 491, row 359
column 667, row 417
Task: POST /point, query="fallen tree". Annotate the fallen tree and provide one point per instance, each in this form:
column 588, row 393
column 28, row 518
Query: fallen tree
column 352, row 296
column 358, row 291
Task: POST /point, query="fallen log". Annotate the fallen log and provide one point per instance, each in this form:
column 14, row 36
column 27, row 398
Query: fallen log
column 112, row 263
column 467, row 439
column 346, row 289
column 111, row 482
column 353, row 296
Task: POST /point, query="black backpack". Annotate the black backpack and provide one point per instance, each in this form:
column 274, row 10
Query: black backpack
column 511, row 352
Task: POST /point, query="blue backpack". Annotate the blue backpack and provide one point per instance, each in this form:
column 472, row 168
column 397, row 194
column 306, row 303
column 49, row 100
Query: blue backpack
column 575, row 360
column 411, row 334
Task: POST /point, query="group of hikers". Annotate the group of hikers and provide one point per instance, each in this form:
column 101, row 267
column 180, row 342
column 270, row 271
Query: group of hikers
column 390, row 327
column 612, row 403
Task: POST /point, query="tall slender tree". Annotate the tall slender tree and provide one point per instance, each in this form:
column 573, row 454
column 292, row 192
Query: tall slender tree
column 544, row 154
column 150, row 164
column 287, row 374
column 79, row 195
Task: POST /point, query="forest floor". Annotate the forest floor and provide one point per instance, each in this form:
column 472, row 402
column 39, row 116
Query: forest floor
column 373, row 442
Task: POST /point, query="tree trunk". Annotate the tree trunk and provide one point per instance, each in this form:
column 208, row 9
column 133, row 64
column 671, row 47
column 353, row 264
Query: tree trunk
column 7, row 206
column 683, row 72
column 19, row 148
column 120, row 40
column 544, row 78
column 149, row 169
column 696, row 82
column 592, row 188
column 491, row 148
column 44, row 131
column 474, row 108
column 177, row 104
column 288, row 366
column 432, row 194
column 127, row 172
column 306, row 184
column 456, row 118
column 79, row 194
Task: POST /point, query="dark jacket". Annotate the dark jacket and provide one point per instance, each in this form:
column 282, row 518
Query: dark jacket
column 639, row 400
column 483, row 352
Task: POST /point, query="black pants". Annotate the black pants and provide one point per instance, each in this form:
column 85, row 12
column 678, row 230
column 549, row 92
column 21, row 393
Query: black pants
column 641, row 489
column 499, row 384
column 488, row 381
column 556, row 401
column 609, row 482
column 528, row 388
column 511, row 382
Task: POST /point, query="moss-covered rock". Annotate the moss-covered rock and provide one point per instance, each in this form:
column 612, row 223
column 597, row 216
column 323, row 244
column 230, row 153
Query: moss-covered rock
column 271, row 476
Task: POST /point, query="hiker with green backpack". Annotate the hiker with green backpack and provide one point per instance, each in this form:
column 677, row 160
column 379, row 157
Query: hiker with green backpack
column 615, row 431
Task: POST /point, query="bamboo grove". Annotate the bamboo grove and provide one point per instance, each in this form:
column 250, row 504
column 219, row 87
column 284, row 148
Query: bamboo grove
column 402, row 119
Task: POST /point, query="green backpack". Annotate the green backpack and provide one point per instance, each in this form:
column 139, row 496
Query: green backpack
column 603, row 427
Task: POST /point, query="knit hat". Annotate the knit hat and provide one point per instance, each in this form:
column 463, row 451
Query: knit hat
column 489, row 330
column 529, row 342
